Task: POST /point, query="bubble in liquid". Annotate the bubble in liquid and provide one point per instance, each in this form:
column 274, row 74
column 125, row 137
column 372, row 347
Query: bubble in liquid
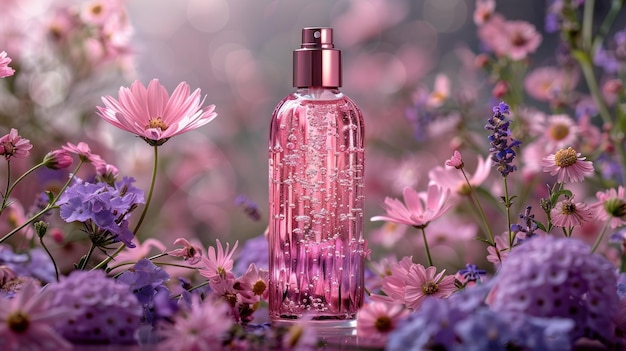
column 290, row 146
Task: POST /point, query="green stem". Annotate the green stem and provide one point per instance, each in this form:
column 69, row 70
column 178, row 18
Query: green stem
column 588, row 23
column 616, row 6
column 87, row 257
column 134, row 262
column 507, row 205
column 480, row 208
column 5, row 197
column 430, row 260
column 600, row 236
column 584, row 60
column 46, row 209
column 56, row 269
column 143, row 213
column 10, row 188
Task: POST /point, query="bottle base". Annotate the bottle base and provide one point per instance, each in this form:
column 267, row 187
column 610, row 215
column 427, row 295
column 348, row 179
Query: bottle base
column 323, row 328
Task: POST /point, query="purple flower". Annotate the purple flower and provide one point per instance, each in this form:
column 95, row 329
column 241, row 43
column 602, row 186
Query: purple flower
column 143, row 279
column 527, row 226
column 106, row 207
column 253, row 251
column 249, row 207
column 502, row 145
column 471, row 273
column 558, row 278
column 34, row 263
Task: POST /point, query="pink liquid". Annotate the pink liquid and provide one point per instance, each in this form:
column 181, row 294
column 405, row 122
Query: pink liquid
column 316, row 182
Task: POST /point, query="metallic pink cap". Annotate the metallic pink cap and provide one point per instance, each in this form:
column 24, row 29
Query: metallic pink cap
column 317, row 63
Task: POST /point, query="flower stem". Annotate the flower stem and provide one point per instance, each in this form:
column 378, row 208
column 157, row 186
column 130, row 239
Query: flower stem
column 600, row 236
column 507, row 204
column 143, row 213
column 480, row 208
column 56, row 269
column 6, row 192
column 87, row 257
column 10, row 188
column 430, row 260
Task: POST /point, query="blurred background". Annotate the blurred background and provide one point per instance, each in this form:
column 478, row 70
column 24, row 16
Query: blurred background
column 238, row 52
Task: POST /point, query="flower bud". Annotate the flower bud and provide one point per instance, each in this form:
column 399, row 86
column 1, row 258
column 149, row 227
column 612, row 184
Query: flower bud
column 57, row 159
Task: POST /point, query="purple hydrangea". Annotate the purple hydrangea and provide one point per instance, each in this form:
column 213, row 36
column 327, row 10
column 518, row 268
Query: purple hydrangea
column 33, row 263
column 502, row 145
column 107, row 312
column 104, row 206
column 552, row 277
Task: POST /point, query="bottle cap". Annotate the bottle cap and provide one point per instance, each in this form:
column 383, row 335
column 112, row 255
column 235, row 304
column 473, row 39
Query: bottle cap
column 317, row 63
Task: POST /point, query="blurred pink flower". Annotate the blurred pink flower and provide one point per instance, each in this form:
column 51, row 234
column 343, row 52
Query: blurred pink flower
column 13, row 145
column 611, row 206
column 97, row 12
column 440, row 93
column 189, row 252
column 394, row 283
column 141, row 250
column 422, row 282
column 418, row 209
column 376, row 319
column 556, row 132
column 57, row 159
column 568, row 214
column 202, row 326
column 301, row 335
column 497, row 254
column 5, row 70
column 152, row 114
column 567, row 165
column 549, row 83
column 512, row 39
column 388, row 234
column 220, row 265
column 27, row 321
column 483, row 11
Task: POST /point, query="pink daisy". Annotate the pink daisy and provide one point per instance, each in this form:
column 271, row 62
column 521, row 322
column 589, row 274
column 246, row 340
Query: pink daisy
column 13, row 145
column 152, row 114
column 253, row 284
column 218, row 265
column 27, row 321
column 567, row 165
column 611, row 205
column 201, row 327
column 189, row 252
column 568, row 214
column 376, row 319
column 557, row 132
column 422, row 282
column 456, row 160
column 84, row 153
column 521, row 39
column 549, row 83
column 419, row 209
column 483, row 11
column 5, row 70
column 394, row 284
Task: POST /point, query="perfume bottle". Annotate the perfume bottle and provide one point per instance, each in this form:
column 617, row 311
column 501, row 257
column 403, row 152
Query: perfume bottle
column 316, row 183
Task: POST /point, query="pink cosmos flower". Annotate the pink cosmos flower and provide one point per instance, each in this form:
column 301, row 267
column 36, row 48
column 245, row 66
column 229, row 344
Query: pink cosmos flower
column 201, row 327
column 393, row 285
column 5, row 70
column 152, row 114
column 253, row 284
column 453, row 180
column 27, row 321
column 57, row 159
column 611, row 205
column 568, row 214
column 419, row 209
column 567, row 165
column 13, row 145
column 220, row 265
column 498, row 253
column 189, row 252
column 550, row 83
column 513, row 39
column 376, row 319
column 455, row 161
column 84, row 153
column 422, row 282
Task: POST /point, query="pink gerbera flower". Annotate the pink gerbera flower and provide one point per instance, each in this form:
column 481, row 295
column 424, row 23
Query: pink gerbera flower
column 568, row 214
column 376, row 319
column 422, row 282
column 152, row 114
column 567, row 165
column 5, row 70
column 418, row 209
column 218, row 265
column 611, row 205
column 27, row 321
column 13, row 145
column 201, row 327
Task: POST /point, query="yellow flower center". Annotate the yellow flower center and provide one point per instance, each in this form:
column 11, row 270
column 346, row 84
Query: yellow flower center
column 18, row 322
column 559, row 131
column 565, row 157
column 259, row 287
column 430, row 287
column 157, row 123
column 383, row 324
column 96, row 9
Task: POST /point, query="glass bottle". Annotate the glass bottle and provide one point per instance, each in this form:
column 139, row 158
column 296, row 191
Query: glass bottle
column 316, row 183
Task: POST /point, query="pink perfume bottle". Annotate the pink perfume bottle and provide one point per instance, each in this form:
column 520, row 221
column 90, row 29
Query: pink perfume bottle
column 316, row 181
